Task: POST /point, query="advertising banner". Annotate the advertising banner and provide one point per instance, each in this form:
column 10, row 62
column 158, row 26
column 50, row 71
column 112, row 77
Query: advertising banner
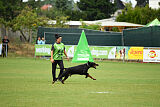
column 135, row 53
column 70, row 49
column 43, row 50
column 151, row 55
column 96, row 51
column 121, row 52
column 0, row 49
column 103, row 52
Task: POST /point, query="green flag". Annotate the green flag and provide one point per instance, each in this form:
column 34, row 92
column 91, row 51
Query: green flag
column 155, row 22
column 82, row 53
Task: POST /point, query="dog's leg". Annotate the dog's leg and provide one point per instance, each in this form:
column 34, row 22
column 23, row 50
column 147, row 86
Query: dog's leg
column 66, row 76
column 62, row 75
column 91, row 77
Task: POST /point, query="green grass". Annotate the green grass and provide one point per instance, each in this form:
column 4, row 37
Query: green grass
column 26, row 82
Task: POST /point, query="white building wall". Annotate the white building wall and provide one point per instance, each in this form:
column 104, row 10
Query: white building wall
column 154, row 4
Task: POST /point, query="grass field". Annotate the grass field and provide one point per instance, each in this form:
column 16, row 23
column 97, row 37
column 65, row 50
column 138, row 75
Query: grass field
column 26, row 82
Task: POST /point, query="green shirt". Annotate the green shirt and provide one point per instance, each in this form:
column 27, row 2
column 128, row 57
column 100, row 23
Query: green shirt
column 58, row 50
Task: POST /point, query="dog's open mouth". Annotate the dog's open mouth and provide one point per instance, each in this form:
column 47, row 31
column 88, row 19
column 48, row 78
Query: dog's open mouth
column 95, row 66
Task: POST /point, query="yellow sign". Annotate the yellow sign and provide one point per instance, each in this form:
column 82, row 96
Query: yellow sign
column 135, row 53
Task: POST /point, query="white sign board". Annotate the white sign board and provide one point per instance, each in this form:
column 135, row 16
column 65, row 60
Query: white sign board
column 151, row 55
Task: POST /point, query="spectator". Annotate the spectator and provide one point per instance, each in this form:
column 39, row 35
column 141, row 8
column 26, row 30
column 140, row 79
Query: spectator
column 39, row 41
column 5, row 43
column 43, row 41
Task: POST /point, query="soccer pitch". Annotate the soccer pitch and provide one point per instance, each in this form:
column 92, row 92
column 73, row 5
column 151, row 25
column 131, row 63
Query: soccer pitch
column 26, row 82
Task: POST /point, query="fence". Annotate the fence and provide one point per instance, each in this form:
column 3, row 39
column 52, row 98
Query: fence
column 128, row 45
column 71, row 36
column 145, row 36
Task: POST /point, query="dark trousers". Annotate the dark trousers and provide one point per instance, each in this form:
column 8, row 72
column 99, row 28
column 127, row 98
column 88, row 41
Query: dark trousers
column 4, row 51
column 54, row 64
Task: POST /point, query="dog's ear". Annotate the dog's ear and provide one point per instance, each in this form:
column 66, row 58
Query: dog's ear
column 88, row 62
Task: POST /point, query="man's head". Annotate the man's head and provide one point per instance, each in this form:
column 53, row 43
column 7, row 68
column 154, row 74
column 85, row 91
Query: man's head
column 43, row 38
column 39, row 38
column 58, row 38
column 5, row 37
column 92, row 64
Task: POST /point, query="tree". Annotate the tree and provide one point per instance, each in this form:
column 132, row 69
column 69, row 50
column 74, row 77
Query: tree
column 59, row 8
column 96, row 9
column 34, row 4
column 61, row 22
column 142, row 3
column 75, row 15
column 63, row 5
column 9, row 9
column 138, row 15
column 28, row 21
column 96, row 26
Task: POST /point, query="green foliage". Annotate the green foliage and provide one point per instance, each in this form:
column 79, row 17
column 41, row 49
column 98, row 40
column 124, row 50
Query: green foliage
column 9, row 9
column 52, row 13
column 75, row 15
column 115, row 29
column 28, row 20
column 138, row 15
column 2, row 21
column 63, row 5
column 96, row 9
column 96, row 26
column 61, row 22
column 59, row 8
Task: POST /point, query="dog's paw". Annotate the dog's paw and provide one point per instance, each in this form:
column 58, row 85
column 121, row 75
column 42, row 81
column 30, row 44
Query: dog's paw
column 62, row 82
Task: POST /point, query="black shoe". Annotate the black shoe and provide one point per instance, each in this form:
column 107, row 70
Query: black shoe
column 53, row 82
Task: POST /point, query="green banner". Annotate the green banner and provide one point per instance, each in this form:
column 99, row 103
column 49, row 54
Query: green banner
column 107, row 52
column 43, row 50
column 70, row 49
column 103, row 52
column 82, row 53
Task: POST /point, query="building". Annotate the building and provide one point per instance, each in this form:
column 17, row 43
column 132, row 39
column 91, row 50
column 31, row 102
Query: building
column 154, row 4
column 107, row 24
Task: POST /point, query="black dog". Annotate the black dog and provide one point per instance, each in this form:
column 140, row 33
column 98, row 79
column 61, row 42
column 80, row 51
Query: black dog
column 80, row 69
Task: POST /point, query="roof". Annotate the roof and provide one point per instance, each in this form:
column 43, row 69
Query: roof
column 45, row 7
column 104, row 22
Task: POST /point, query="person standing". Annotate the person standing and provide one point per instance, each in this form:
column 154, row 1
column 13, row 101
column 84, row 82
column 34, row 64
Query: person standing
column 5, row 42
column 43, row 41
column 39, row 41
column 57, row 51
